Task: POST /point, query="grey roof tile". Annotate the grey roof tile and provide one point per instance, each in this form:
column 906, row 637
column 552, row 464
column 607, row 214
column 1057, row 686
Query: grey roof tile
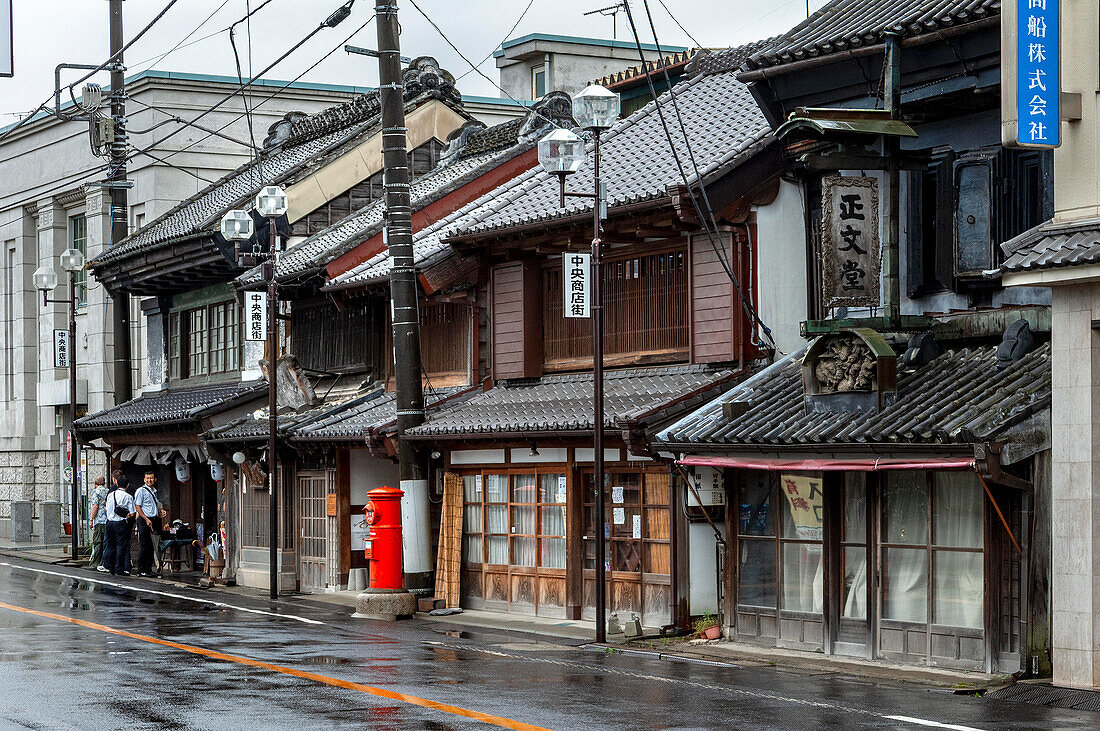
column 847, row 24
column 1052, row 245
column 960, row 396
column 173, row 406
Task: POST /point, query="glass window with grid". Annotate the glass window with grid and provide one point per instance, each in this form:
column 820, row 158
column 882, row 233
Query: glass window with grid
column 514, row 519
column 204, row 341
column 638, row 527
column 78, row 239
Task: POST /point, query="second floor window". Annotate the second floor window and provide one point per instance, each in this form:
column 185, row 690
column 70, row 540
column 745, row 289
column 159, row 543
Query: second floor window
column 78, row 239
column 204, row 341
column 538, row 82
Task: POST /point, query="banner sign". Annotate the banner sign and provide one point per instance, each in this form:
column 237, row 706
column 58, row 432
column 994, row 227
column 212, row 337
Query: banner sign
column 805, row 499
column 576, row 268
column 255, row 316
column 60, row 348
column 1037, row 73
column 849, row 242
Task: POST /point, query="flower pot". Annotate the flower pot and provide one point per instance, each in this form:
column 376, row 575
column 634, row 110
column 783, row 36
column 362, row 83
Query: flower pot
column 712, row 633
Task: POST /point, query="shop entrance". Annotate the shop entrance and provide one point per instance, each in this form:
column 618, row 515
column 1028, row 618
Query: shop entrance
column 313, row 546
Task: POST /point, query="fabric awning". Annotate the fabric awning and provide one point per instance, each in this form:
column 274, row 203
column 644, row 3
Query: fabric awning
column 830, row 465
column 161, row 453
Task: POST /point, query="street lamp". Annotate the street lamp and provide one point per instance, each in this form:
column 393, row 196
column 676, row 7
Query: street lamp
column 271, row 202
column 561, row 153
column 45, row 281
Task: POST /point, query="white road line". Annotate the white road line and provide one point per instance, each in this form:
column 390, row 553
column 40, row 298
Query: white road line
column 934, row 724
column 128, row 587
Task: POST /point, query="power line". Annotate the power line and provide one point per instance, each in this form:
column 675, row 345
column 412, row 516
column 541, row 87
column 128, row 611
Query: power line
column 703, row 219
column 506, row 37
column 172, row 118
column 679, row 25
column 184, row 39
column 334, row 19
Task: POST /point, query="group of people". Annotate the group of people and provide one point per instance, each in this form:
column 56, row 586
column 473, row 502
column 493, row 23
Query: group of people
column 114, row 514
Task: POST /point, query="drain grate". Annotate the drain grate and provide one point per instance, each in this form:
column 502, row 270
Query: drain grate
column 1048, row 695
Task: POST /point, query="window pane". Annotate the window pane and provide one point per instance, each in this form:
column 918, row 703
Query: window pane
column 552, row 488
column 498, row 519
column 524, row 488
column 658, row 558
column 496, row 488
column 756, row 572
column 471, row 549
column 553, row 521
column 802, row 505
column 905, row 508
column 854, row 600
column 471, row 519
column 855, row 507
column 523, row 519
column 471, row 488
column 553, row 553
column 802, row 577
column 523, row 551
column 957, row 510
column 959, row 591
column 498, row 550
column 757, row 517
column 906, row 593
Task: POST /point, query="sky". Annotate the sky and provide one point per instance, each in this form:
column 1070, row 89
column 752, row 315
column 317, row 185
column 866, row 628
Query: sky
column 49, row 32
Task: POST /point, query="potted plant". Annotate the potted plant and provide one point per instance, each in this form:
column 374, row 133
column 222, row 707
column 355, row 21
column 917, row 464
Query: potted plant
column 707, row 627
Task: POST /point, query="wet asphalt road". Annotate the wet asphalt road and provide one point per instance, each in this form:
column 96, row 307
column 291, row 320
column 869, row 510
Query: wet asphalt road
column 59, row 675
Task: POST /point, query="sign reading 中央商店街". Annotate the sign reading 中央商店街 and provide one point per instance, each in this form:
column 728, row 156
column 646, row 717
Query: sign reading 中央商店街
column 1038, row 83
column 575, row 269
column 849, row 241
column 255, row 316
column 60, row 348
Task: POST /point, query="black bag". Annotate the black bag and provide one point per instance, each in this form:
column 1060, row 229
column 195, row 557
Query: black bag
column 121, row 511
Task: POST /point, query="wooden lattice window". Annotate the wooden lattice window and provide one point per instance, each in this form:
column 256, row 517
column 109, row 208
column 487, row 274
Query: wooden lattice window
column 645, row 313
column 327, row 339
column 204, row 341
column 445, row 338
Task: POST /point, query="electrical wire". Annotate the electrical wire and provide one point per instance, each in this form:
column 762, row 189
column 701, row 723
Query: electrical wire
column 749, row 310
column 44, row 106
column 183, row 40
column 506, row 37
column 334, row 19
column 172, row 118
column 680, row 25
column 240, row 79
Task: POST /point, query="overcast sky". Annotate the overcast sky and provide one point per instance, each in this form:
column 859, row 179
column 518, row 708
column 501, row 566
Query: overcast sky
column 49, row 32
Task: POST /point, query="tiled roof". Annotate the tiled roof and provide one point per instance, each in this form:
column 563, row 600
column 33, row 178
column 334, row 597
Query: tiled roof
column 723, row 124
column 959, row 397
column 639, row 72
column 1053, row 245
column 563, row 403
column 847, row 24
column 174, row 406
column 298, row 144
column 360, row 418
column 471, row 154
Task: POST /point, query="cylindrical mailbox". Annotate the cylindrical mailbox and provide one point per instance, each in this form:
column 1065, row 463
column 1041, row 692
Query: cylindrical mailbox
column 383, row 549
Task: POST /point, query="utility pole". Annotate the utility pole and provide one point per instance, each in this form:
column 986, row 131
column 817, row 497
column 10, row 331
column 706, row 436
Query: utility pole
column 116, row 179
column 403, row 298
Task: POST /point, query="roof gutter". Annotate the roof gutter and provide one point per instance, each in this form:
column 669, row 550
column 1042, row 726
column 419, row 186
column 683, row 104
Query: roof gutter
column 943, row 34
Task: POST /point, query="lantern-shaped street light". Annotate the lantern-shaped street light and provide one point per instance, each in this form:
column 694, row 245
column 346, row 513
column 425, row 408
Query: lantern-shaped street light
column 562, row 153
column 45, row 281
column 237, row 226
column 271, row 202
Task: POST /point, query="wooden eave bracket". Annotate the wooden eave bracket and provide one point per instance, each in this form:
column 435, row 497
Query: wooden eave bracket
column 987, row 460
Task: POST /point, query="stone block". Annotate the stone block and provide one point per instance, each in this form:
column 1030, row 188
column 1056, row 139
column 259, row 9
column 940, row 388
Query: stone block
column 22, row 517
column 384, row 604
column 50, row 513
column 8, row 475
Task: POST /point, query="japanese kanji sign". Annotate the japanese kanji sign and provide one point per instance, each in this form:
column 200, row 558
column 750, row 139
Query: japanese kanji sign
column 255, row 316
column 576, row 270
column 849, row 241
column 1037, row 79
column 60, row 348
column 805, row 499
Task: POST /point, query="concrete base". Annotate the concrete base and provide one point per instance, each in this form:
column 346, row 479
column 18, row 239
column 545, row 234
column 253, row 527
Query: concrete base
column 384, row 604
column 22, row 512
column 50, row 526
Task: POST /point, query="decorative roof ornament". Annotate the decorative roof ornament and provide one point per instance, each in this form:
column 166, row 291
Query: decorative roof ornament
column 425, row 76
column 553, row 110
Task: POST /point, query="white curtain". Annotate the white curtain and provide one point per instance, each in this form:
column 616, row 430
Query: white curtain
column 958, row 593
column 905, row 514
column 855, row 557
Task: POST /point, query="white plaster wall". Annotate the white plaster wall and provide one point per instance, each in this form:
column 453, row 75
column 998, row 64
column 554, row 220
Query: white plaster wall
column 781, row 265
column 703, row 568
column 368, row 472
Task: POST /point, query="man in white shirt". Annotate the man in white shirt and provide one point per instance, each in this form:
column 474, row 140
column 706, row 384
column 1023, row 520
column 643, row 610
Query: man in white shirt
column 120, row 509
column 148, row 522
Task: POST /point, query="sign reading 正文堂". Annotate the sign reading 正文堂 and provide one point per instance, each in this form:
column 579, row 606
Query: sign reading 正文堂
column 575, row 269
column 849, row 241
column 60, row 348
column 1037, row 73
column 255, row 316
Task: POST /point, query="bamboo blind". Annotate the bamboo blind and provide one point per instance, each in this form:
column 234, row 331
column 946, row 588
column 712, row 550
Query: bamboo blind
column 449, row 555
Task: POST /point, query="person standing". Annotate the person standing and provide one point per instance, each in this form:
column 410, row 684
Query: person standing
column 149, row 515
column 119, row 507
column 98, row 522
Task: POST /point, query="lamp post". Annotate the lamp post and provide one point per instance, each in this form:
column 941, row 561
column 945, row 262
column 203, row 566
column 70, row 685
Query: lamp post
column 561, row 153
column 45, row 280
column 271, row 203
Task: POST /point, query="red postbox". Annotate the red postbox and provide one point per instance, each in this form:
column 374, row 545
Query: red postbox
column 383, row 549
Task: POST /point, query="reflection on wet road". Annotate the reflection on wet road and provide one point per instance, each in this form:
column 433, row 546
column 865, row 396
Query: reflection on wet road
column 80, row 653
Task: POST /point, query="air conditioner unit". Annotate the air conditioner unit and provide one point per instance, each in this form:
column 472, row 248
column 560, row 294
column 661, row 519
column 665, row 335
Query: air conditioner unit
column 709, row 485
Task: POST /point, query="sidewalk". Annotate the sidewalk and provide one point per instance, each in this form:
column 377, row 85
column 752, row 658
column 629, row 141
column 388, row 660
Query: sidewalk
column 34, row 551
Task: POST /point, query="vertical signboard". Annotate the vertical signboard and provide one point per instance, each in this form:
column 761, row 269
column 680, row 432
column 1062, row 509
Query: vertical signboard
column 849, row 242
column 576, row 268
column 60, row 348
column 7, row 36
column 1037, row 73
column 255, row 316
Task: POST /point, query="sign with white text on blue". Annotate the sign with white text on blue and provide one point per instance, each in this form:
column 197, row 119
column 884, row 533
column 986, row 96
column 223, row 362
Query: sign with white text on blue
column 1037, row 73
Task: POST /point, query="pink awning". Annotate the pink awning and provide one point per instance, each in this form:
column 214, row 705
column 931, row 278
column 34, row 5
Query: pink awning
column 831, row 465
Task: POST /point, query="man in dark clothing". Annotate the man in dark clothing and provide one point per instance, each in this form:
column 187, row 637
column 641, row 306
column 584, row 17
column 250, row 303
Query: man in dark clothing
column 120, row 510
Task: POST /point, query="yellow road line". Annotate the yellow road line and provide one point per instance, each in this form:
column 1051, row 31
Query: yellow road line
column 380, row 692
